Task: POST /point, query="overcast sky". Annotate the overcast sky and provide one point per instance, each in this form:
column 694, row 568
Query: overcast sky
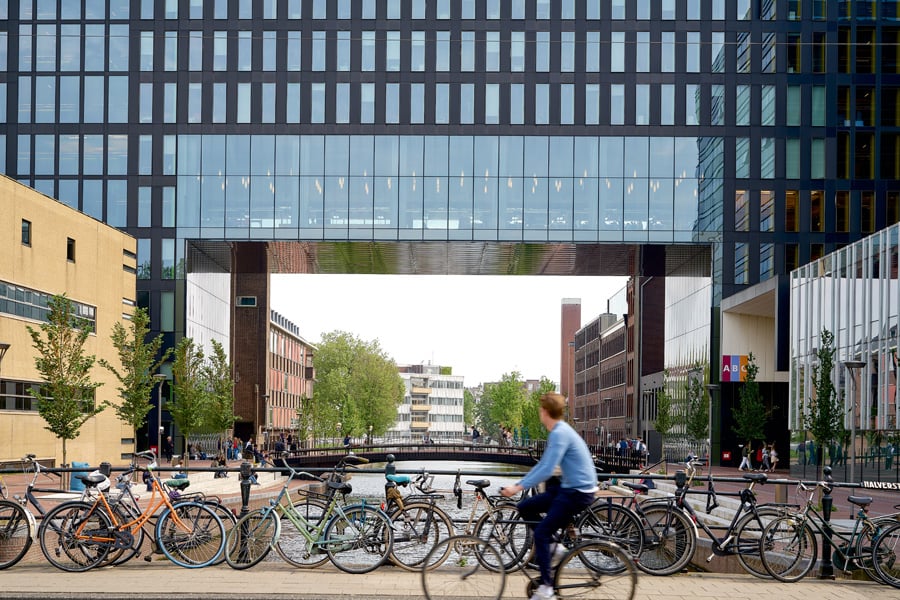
column 482, row 326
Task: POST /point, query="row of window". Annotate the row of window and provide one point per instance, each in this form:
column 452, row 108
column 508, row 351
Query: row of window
column 32, row 304
column 422, row 9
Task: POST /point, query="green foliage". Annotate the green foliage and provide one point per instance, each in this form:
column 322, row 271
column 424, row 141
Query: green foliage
column 468, row 408
column 531, row 419
column 824, row 414
column 189, row 406
column 216, row 372
column 750, row 415
column 446, row 370
column 665, row 421
column 138, row 360
column 66, row 398
column 697, row 418
column 357, row 385
column 502, row 404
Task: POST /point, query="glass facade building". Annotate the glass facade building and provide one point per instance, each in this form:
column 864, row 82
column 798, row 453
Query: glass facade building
column 768, row 130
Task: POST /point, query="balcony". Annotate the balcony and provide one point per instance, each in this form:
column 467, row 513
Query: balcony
column 420, row 407
column 419, row 425
column 419, row 391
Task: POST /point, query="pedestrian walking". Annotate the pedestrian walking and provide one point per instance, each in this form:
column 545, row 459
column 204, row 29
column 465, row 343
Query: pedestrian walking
column 746, row 465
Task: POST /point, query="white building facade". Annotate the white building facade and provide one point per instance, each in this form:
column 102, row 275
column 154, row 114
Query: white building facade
column 432, row 404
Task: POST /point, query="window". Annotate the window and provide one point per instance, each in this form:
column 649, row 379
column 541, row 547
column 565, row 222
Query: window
column 70, row 249
column 26, row 232
column 741, row 210
column 766, row 211
column 742, row 108
column 791, row 208
column 842, row 211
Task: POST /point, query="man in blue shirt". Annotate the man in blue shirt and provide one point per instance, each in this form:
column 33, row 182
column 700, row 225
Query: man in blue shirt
column 566, row 450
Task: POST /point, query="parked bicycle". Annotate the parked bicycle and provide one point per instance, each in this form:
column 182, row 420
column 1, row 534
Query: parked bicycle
column 418, row 522
column 77, row 536
column 356, row 538
column 790, row 550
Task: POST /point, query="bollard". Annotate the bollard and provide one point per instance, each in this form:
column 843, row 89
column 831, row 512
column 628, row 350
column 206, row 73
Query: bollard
column 827, row 571
column 246, row 474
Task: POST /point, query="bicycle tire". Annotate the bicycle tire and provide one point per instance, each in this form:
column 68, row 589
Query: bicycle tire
column 463, row 574
column 68, row 534
column 503, row 528
column 417, row 529
column 358, row 539
column 252, row 538
column 593, row 570
column 886, row 555
column 607, row 521
column 190, row 535
column 747, row 534
column 16, row 533
column 673, row 543
column 294, row 547
column 788, row 549
column 228, row 518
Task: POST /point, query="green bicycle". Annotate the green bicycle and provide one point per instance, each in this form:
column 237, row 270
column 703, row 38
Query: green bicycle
column 356, row 538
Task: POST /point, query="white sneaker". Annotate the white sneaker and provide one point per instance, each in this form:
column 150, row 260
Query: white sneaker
column 544, row 592
column 557, row 553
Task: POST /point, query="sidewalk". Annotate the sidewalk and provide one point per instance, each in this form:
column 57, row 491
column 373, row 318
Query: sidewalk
column 160, row 580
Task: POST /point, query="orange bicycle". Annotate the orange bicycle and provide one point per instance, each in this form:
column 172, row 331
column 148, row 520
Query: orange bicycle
column 77, row 536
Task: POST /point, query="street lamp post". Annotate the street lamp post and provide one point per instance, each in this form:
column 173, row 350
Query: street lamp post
column 338, row 430
column 159, row 378
column 851, row 366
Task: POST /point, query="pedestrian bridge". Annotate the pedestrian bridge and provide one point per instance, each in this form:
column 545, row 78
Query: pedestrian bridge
column 526, row 456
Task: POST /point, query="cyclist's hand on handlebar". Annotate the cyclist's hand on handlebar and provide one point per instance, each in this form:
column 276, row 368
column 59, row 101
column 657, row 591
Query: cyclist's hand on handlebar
column 512, row 490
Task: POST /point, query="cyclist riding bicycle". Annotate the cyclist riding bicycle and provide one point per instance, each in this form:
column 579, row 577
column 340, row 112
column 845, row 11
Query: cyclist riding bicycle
column 568, row 451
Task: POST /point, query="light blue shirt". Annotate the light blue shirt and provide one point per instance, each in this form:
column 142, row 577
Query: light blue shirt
column 566, row 449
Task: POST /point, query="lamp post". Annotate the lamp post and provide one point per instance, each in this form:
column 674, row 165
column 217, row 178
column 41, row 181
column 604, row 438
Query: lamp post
column 338, row 430
column 851, row 366
column 159, row 378
column 712, row 388
column 369, row 438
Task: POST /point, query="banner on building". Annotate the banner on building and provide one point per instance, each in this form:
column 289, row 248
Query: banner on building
column 734, row 367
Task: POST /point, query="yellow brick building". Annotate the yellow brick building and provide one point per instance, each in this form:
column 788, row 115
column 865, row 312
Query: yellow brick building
column 47, row 248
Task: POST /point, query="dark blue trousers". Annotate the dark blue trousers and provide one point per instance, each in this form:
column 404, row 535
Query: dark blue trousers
column 560, row 505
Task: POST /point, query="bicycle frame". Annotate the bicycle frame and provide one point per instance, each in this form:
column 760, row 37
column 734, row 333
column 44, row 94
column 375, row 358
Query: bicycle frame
column 312, row 533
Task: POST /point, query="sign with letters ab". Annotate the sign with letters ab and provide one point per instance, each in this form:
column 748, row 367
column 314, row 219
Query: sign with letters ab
column 734, row 368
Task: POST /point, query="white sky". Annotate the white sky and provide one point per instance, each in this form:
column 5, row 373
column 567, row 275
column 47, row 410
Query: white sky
column 482, row 326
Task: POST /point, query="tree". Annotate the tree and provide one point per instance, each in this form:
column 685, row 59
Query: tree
column 66, row 400
column 823, row 416
column 216, row 372
column 357, row 385
column 501, row 404
column 191, row 396
column 697, row 418
column 750, row 415
column 531, row 419
column 139, row 360
column 664, row 420
column 468, row 408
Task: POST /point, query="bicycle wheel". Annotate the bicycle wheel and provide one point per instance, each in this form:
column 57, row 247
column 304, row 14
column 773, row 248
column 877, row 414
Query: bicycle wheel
column 117, row 556
column 74, row 537
column 670, row 541
column 607, row 521
column 16, row 533
column 417, row 529
column 788, row 549
column 886, row 555
column 594, row 570
column 226, row 515
column 864, row 552
column 463, row 574
column 358, row 539
column 503, row 528
column 747, row 533
column 190, row 535
column 251, row 538
column 293, row 546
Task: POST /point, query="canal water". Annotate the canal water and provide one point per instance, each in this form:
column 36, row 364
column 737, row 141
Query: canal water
column 371, row 485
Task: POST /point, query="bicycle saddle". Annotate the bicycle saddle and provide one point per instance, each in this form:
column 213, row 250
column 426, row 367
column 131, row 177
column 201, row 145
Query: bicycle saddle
column 860, row 501
column 178, row 484
column 95, row 479
column 756, row 477
column 479, row 483
column 640, row 488
column 340, row 486
column 401, row 479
